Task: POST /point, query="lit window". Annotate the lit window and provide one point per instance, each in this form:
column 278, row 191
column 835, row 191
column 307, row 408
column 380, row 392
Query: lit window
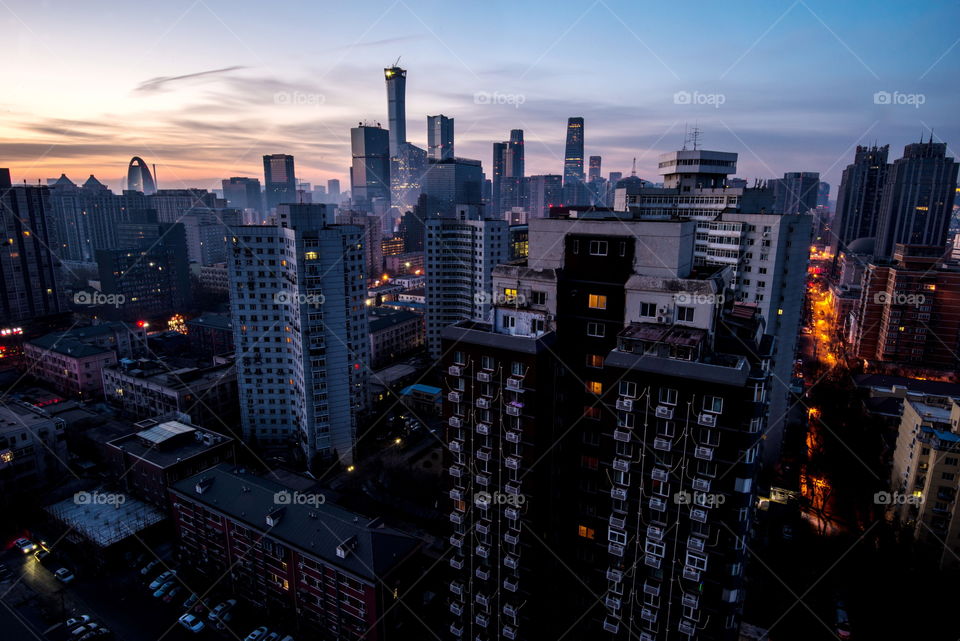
column 594, row 360
column 595, row 387
column 597, row 301
column 586, row 532
column 311, row 256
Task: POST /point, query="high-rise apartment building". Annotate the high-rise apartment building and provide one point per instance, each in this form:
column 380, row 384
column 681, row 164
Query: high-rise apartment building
column 28, row 259
column 796, row 193
column 370, row 171
column 372, row 237
column 279, row 180
column 542, row 193
column 297, row 294
column 439, row 137
column 243, row 193
column 858, row 200
column 452, row 182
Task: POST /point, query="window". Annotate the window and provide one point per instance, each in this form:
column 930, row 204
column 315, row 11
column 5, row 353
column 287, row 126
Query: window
column 586, row 532
column 623, row 248
column 538, row 298
column 595, row 387
column 509, row 294
column 948, row 476
column 486, row 362
column 625, row 419
column 598, row 248
column 597, row 301
column 648, row 309
column 594, row 360
column 538, row 325
column 668, row 396
column 589, row 462
column 697, row 560
column 596, row 329
column 685, row 314
column 617, row 536
column 950, row 460
column 517, row 368
column 592, row 412
column 628, row 389
column 654, row 548
column 576, row 246
column 509, row 321
column 459, row 359
column 713, row 404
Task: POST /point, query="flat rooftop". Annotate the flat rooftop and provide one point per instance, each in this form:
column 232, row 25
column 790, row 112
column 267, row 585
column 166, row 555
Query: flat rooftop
column 169, row 442
column 105, row 522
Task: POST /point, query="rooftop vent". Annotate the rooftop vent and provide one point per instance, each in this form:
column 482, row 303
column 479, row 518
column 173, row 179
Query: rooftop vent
column 274, row 516
column 345, row 548
column 204, row 484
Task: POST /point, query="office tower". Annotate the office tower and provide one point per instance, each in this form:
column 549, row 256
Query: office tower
column 573, row 178
column 660, row 394
column 333, row 191
column 452, row 182
column 172, row 204
column 823, row 194
column 279, row 180
column 796, row 192
column 511, row 184
column 372, row 237
column 396, row 79
column 243, row 193
column 907, row 312
column 439, row 137
column 737, row 226
column 139, row 177
column 319, row 195
column 370, row 172
column 499, row 171
column 300, row 284
column 207, row 231
column 594, row 172
column 461, row 251
column 859, row 197
column 543, row 192
column 413, row 226
column 152, row 279
column 28, row 262
column 917, row 199
column 67, row 215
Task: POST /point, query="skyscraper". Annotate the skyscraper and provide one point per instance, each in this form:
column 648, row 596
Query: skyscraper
column 243, row 193
column 511, row 185
column 396, row 108
column 796, row 193
column 28, row 265
column 439, row 137
column 452, row 182
column 279, row 180
column 333, row 190
column 499, row 165
column 542, row 193
column 594, row 173
column 859, row 197
column 573, row 163
column 139, row 177
column 917, row 198
column 306, row 394
column 370, row 172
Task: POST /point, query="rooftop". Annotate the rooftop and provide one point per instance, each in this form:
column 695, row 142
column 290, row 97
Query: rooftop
column 217, row 321
column 108, row 521
column 381, row 319
column 166, row 443
column 68, row 346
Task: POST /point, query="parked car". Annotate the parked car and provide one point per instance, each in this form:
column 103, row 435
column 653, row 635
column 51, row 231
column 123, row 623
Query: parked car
column 40, row 555
column 191, row 622
column 99, row 633
column 191, row 600
column 273, row 636
column 25, row 545
column 145, row 570
column 76, row 633
column 287, row 638
column 163, row 589
column 221, row 608
column 257, row 634
column 75, row 621
column 172, row 594
column 64, row 575
column 163, row 578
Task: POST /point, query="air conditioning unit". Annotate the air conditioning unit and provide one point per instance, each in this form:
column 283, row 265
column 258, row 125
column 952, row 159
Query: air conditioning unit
column 661, row 319
column 662, row 309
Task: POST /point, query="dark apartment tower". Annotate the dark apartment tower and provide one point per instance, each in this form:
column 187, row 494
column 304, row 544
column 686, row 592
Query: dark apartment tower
column 333, row 191
column 28, row 264
column 594, row 171
column 796, row 192
column 370, row 172
column 243, row 193
column 396, row 79
column 917, row 198
column 823, row 194
column 573, row 177
column 439, row 137
column 542, row 193
column 279, row 180
column 413, row 226
column 139, row 177
column 511, row 186
column 499, row 171
column 858, row 200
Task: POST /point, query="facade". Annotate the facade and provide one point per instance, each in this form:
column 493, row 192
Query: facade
column 28, row 266
column 279, row 180
column 396, row 79
column 461, row 253
column 439, row 137
column 330, row 573
column 243, row 193
column 172, row 204
column 408, row 263
column 449, row 183
column 69, row 365
column 917, row 198
column 542, row 193
column 573, row 176
column 33, row 449
column 211, row 334
column 796, row 193
column 858, row 200
column 372, row 235
column 300, row 284
column 214, row 278
column 147, row 462
column 370, row 171
column 139, row 177
column 393, row 334
column 145, row 388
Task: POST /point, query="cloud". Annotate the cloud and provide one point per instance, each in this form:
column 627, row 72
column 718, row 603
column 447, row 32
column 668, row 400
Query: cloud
column 160, row 82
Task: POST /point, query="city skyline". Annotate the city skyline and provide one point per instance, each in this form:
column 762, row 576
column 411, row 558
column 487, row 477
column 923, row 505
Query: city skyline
column 209, row 91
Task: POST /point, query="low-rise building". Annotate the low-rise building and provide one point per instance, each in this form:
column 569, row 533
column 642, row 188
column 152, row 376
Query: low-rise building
column 71, row 366
column 33, row 448
column 393, row 334
column 307, row 562
column 408, row 263
column 211, row 334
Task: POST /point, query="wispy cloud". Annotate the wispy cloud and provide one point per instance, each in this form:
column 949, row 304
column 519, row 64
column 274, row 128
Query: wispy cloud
column 160, row 83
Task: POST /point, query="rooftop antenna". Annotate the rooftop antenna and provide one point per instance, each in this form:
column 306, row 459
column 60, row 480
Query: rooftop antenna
column 633, row 172
column 397, row 62
column 692, row 137
column 685, row 136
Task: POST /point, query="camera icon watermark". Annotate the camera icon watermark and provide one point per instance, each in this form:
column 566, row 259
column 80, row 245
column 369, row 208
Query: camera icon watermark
column 699, row 98
column 299, row 98
column 885, row 298
column 705, row 499
column 899, row 98
column 498, row 98
column 286, row 497
column 896, row 498
column 486, row 499
column 98, row 299
column 284, row 297
column 99, row 498
column 688, row 298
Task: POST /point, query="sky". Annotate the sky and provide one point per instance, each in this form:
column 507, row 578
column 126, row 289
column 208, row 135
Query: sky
column 203, row 89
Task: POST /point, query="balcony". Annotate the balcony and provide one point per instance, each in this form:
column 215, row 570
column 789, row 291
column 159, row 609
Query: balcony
column 621, row 465
column 703, row 452
column 707, row 420
column 655, row 533
column 612, row 602
column 455, row 422
column 456, row 518
column 512, row 462
column 483, row 403
column 658, row 504
column 698, row 515
column 691, row 573
column 456, row 446
column 456, row 471
column 652, row 561
column 483, row 551
column 483, row 377
column 454, row 397
column 513, row 436
column 456, row 540
column 611, row 625
column 662, row 444
column 456, row 629
column 511, row 584
column 511, row 513
column 614, row 575
column 456, row 588
column 513, row 487
column 482, row 479
column 513, row 409
column 456, row 562
column 618, row 493
column 482, row 599
column 701, row 485
column 484, row 454
column 515, row 384
column 653, row 589
column 621, row 435
column 511, row 562
column 618, row 521
column 625, row 404
column 455, row 370
column 456, row 495
column 483, row 526
column 456, row 607
column 664, row 411
column 659, row 474
column 693, row 543
column 483, row 428
column 509, row 632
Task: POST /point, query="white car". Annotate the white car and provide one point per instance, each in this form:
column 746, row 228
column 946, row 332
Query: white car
column 163, row 578
column 83, row 629
column 191, row 622
column 26, row 545
column 75, row 621
column 64, row 575
column 221, row 608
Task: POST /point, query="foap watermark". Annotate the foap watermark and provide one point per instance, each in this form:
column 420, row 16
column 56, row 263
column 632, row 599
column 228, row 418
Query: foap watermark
column 899, row 98
column 299, row 98
column 499, row 498
column 708, row 499
column 99, row 299
column 896, row 498
column 99, row 498
column 498, row 98
column 699, row 98
column 284, row 297
column 885, row 298
column 499, row 298
column 688, row 298
column 286, row 497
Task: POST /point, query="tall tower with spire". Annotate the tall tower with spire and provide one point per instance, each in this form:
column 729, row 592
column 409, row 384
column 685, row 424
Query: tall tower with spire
column 396, row 107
